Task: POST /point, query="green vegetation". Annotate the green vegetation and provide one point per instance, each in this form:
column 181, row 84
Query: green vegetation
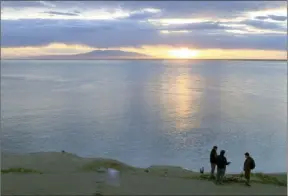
column 20, row 170
column 280, row 180
column 233, row 178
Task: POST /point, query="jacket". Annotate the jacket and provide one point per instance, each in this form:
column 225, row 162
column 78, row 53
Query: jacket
column 221, row 162
column 247, row 164
column 213, row 156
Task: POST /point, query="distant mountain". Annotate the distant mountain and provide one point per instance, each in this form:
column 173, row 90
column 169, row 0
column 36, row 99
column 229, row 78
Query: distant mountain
column 110, row 53
column 95, row 54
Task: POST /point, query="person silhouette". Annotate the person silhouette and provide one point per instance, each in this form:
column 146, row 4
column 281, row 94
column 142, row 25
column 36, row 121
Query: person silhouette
column 221, row 167
column 213, row 161
column 249, row 165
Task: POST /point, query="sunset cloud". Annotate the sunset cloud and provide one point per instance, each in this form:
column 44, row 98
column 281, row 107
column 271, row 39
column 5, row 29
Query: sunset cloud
column 236, row 26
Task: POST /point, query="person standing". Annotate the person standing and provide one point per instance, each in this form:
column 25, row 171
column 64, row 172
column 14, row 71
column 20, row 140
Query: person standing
column 213, row 160
column 249, row 165
column 221, row 167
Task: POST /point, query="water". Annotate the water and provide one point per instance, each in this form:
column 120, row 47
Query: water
column 148, row 112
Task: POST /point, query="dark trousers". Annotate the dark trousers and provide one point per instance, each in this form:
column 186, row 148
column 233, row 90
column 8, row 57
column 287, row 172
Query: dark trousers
column 247, row 175
column 220, row 174
column 213, row 166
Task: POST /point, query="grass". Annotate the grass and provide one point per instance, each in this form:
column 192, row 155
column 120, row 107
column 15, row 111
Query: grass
column 20, row 170
column 270, row 179
column 255, row 178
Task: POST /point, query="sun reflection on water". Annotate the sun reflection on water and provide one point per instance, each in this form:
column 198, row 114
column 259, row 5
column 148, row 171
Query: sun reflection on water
column 181, row 99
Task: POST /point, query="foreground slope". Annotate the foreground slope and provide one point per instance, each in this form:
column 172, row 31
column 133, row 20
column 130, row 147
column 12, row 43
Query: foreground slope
column 55, row 173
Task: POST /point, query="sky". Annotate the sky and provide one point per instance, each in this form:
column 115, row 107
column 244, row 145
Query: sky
column 158, row 29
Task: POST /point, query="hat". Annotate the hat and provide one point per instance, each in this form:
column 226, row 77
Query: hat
column 246, row 154
column 215, row 147
column 222, row 152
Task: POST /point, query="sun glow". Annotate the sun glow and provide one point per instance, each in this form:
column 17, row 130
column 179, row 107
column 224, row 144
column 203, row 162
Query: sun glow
column 183, row 53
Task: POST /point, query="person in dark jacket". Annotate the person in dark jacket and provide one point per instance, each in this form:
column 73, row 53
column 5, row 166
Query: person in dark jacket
column 249, row 164
column 213, row 160
column 221, row 166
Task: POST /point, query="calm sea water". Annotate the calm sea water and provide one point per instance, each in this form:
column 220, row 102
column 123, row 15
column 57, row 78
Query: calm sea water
column 148, row 112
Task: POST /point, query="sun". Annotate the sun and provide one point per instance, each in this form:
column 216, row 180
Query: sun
column 183, row 53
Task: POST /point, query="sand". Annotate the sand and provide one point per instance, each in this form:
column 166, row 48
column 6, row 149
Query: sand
column 57, row 173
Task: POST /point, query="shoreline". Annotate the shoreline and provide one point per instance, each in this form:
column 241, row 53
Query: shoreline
column 63, row 173
column 89, row 158
column 116, row 59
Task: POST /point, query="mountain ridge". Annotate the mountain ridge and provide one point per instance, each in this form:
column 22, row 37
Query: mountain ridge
column 94, row 54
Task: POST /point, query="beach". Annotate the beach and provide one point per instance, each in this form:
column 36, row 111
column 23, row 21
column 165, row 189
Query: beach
column 62, row 173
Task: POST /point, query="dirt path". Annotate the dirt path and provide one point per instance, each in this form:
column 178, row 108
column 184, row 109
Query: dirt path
column 86, row 184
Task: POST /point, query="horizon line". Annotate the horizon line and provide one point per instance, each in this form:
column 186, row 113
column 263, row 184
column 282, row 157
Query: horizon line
column 149, row 59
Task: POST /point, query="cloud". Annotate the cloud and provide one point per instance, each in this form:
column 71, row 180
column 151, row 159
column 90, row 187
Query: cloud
column 215, row 9
column 134, row 24
column 272, row 17
column 47, row 3
column 141, row 16
column 197, row 26
column 262, row 17
column 127, row 34
column 21, row 4
column 198, row 9
column 63, row 13
column 278, row 18
column 264, row 25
